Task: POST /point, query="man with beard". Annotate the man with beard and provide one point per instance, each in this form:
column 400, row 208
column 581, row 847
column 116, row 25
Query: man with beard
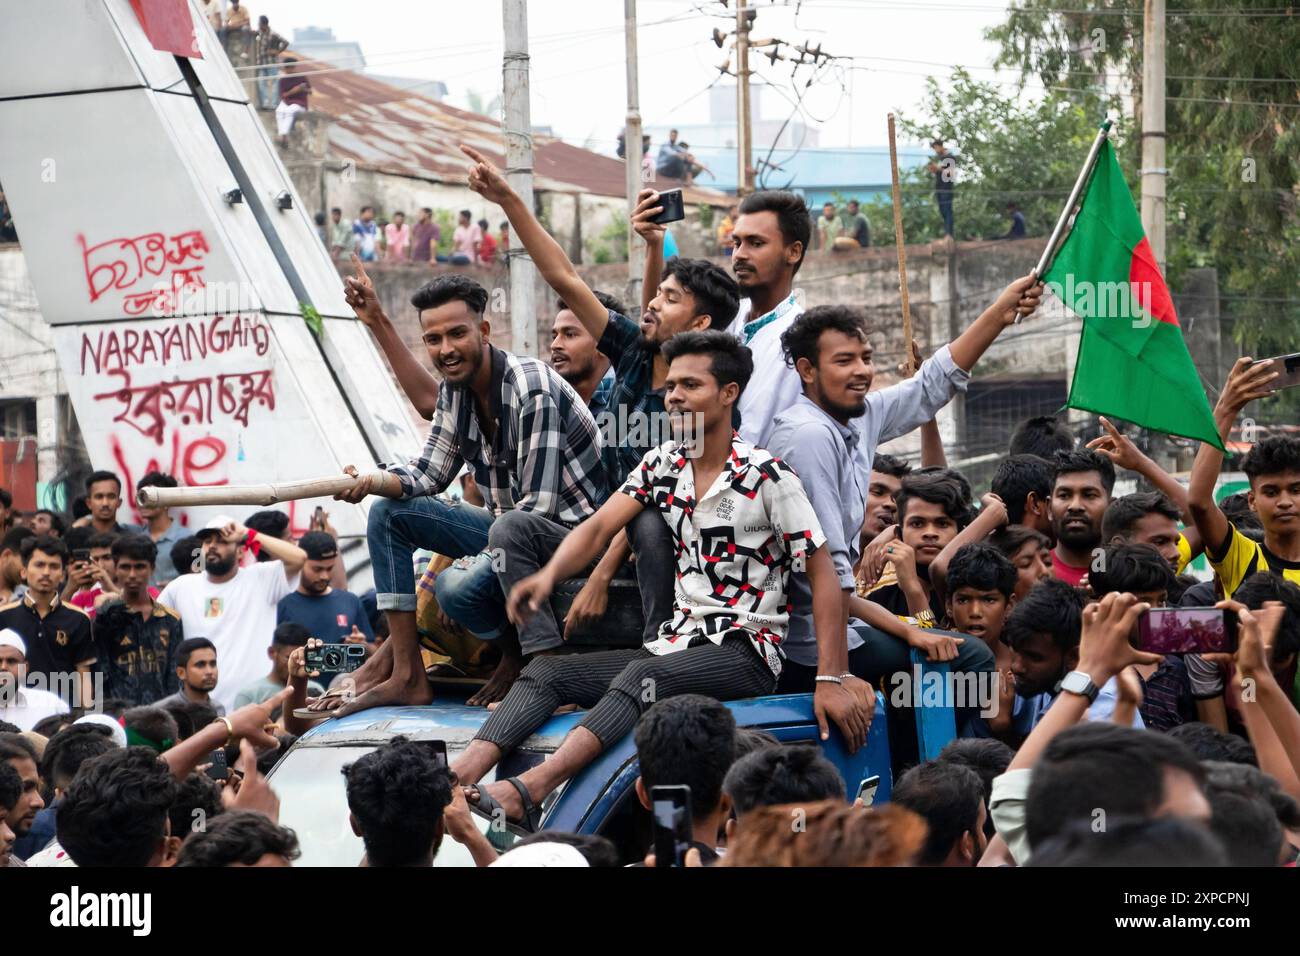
column 822, row 437
column 575, row 356
column 534, row 450
column 18, row 753
column 1081, row 485
column 235, row 607
column 197, row 674
column 684, row 295
column 328, row 613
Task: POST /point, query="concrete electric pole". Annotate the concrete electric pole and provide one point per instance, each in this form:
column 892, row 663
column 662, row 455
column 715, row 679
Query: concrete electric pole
column 1154, row 172
column 632, row 160
column 744, row 146
column 517, row 129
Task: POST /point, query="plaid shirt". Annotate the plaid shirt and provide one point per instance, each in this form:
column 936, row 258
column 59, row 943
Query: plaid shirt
column 544, row 457
column 268, row 46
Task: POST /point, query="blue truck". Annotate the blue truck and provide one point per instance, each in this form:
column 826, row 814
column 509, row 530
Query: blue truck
column 600, row 800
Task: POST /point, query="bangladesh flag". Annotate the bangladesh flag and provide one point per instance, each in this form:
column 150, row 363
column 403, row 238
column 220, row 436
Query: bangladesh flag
column 1133, row 363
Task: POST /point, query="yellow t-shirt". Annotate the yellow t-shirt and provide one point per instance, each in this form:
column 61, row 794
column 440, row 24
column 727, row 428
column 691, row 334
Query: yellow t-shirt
column 1184, row 553
column 1243, row 557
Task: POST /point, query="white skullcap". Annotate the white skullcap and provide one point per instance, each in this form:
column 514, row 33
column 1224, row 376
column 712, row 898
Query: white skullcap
column 11, row 638
column 542, row 854
column 119, row 734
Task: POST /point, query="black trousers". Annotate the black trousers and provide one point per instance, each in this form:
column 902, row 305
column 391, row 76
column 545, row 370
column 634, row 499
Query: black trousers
column 620, row 685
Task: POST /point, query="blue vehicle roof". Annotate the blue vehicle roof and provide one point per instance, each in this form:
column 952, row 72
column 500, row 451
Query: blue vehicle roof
column 587, row 799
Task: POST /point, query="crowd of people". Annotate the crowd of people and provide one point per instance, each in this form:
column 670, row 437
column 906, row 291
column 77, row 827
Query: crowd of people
column 722, row 453
column 397, row 241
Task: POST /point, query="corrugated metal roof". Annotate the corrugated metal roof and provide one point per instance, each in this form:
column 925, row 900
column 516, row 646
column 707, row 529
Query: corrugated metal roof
column 395, row 130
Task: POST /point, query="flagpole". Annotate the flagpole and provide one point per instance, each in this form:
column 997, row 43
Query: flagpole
column 1045, row 259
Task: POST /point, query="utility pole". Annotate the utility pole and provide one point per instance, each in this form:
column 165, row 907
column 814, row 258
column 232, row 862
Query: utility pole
column 744, row 150
column 1154, row 172
column 517, row 130
column 632, row 159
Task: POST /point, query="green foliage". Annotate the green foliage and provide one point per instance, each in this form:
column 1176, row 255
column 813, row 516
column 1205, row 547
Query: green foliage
column 446, row 220
column 1233, row 135
column 1006, row 150
column 611, row 243
column 706, row 215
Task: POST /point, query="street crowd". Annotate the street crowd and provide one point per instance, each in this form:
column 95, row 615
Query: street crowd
column 773, row 551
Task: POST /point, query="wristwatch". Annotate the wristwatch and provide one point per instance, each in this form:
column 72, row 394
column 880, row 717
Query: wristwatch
column 1077, row 682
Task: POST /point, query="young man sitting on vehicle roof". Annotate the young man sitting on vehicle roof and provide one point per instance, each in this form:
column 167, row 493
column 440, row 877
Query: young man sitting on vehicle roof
column 736, row 543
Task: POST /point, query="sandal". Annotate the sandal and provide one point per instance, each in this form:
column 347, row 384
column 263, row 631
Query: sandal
column 489, row 808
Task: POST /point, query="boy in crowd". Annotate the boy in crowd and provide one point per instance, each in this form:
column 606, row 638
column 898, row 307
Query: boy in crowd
column 1043, row 633
column 1028, row 550
column 1042, row 436
column 288, row 635
column 330, row 614
column 196, row 672
column 135, row 636
column 1169, row 696
column 60, row 648
column 1081, row 485
column 103, row 499
column 981, row 585
column 1024, row 483
column 12, row 587
column 950, row 798
column 163, row 530
column 1273, row 468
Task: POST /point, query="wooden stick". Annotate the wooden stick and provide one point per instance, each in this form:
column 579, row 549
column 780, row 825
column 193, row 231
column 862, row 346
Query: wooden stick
column 902, row 252
column 268, row 494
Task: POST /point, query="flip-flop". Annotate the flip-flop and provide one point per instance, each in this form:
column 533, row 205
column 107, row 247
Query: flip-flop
column 303, row 713
column 489, row 808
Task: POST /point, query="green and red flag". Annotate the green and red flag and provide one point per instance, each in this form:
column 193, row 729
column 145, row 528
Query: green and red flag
column 1133, row 362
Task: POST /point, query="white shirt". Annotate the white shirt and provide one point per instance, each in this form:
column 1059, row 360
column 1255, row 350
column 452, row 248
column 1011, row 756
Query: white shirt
column 237, row 616
column 29, row 706
column 774, row 386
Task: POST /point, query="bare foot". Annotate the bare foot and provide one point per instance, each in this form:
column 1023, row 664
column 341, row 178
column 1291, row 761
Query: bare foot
column 392, row 692
column 377, row 669
column 499, row 684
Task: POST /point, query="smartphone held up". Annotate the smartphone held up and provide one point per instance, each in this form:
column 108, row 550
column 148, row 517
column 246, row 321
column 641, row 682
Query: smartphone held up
column 1188, row 630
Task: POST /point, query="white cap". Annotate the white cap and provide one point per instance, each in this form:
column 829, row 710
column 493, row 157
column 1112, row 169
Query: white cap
column 542, row 854
column 215, row 524
column 119, row 734
column 11, row 638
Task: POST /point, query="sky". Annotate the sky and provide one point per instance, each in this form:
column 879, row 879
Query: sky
column 578, row 74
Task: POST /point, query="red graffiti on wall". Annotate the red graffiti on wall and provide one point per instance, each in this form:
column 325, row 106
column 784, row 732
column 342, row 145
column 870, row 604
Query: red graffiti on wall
column 168, row 343
column 149, row 408
column 120, row 264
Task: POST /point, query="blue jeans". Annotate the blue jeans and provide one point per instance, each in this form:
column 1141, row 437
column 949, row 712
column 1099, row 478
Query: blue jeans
column 944, row 197
column 397, row 529
column 266, row 81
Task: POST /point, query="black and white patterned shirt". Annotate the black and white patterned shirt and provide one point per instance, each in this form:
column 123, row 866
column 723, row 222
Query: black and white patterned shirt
column 736, row 544
column 544, row 457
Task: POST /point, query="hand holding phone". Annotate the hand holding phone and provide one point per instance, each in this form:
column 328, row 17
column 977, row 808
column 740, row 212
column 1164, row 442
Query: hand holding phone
column 674, row 207
column 867, row 790
column 1188, row 630
column 673, row 827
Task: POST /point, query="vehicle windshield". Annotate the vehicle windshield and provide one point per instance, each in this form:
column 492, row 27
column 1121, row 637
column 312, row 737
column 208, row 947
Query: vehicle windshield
column 313, row 802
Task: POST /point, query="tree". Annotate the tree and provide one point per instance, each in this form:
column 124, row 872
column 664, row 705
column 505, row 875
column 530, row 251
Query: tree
column 1233, row 134
column 1007, row 149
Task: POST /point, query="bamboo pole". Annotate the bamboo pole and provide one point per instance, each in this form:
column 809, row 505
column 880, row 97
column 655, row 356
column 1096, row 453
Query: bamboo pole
column 268, row 494
column 902, row 251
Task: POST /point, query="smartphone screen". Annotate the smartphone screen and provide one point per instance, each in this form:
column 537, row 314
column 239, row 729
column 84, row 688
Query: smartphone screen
column 1187, row 630
column 439, row 750
column 673, row 826
column 867, row 789
column 81, row 554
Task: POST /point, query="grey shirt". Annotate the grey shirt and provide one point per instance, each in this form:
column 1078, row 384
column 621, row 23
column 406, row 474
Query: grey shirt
column 834, row 463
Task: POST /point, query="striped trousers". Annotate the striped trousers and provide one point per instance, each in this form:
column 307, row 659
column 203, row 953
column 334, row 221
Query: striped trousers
column 618, row 686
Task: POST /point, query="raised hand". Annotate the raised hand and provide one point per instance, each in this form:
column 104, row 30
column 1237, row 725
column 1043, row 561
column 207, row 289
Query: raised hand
column 485, row 179
column 647, row 206
column 1019, row 299
column 1104, row 647
column 1117, row 447
column 359, row 292
column 1247, row 381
